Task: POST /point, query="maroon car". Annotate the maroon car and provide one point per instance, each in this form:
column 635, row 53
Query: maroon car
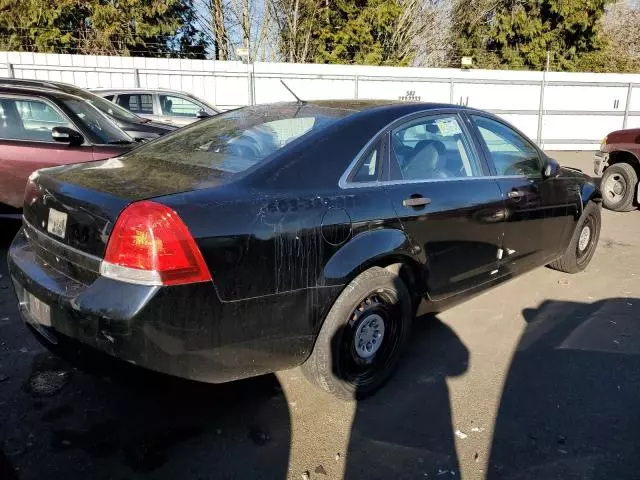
column 617, row 162
column 42, row 127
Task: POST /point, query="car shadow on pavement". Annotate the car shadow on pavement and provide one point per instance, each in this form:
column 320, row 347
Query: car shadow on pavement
column 405, row 430
column 140, row 422
column 569, row 408
column 88, row 415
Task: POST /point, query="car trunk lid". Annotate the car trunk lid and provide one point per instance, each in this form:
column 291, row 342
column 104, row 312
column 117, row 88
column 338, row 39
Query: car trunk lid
column 77, row 205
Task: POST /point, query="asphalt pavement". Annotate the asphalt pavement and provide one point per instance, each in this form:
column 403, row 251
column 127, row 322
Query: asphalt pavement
column 536, row 379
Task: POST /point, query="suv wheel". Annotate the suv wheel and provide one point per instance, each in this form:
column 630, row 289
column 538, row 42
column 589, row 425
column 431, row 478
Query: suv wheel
column 618, row 187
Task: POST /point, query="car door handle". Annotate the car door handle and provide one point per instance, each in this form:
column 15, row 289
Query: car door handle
column 514, row 194
column 415, row 202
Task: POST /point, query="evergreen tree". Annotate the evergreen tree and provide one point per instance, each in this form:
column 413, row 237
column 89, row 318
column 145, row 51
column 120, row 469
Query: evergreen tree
column 113, row 27
column 518, row 33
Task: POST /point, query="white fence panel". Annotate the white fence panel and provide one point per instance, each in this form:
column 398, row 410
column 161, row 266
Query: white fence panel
column 390, row 89
column 488, row 96
column 592, row 98
column 578, row 109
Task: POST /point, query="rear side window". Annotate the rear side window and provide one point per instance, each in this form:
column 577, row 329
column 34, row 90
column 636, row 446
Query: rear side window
column 234, row 141
column 137, row 103
column 369, row 166
column 28, row 119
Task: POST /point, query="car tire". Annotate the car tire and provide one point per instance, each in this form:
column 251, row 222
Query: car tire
column 618, row 186
column 583, row 242
column 353, row 356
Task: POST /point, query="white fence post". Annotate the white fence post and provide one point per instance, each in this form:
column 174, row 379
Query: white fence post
column 11, row 72
column 355, row 86
column 451, row 84
column 627, row 105
column 541, row 110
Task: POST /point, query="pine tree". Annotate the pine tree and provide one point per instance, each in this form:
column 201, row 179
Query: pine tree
column 123, row 27
column 518, row 33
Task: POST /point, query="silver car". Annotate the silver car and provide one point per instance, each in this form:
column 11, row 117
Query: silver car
column 168, row 106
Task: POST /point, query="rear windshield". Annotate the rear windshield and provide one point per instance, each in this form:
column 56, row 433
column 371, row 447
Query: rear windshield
column 237, row 140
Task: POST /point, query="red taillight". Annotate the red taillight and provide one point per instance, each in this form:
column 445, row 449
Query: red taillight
column 151, row 245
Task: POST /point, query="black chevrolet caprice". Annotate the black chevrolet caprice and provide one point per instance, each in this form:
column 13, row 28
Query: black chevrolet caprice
column 293, row 234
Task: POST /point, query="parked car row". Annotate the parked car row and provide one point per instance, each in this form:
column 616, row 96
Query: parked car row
column 268, row 237
column 162, row 105
column 44, row 124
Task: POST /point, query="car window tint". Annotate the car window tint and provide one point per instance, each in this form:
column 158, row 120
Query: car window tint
column 510, row 152
column 431, row 148
column 109, row 97
column 368, row 168
column 178, row 106
column 137, row 103
column 234, row 141
column 29, row 120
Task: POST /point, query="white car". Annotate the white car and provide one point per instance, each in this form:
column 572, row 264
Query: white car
column 168, row 106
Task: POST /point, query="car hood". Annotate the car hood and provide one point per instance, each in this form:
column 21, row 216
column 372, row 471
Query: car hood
column 152, row 129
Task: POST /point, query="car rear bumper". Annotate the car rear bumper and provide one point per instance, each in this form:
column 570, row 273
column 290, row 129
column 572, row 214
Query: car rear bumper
column 184, row 331
column 600, row 162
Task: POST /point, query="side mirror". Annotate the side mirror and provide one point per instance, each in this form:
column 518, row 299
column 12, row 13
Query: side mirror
column 202, row 114
column 551, row 168
column 67, row 135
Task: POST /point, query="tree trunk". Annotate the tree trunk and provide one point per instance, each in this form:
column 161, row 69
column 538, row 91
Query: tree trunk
column 219, row 30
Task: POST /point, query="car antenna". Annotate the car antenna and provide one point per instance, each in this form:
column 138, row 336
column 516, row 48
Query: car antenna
column 298, row 101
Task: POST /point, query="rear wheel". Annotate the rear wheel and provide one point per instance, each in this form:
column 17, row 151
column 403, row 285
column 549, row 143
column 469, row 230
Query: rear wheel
column 618, row 187
column 583, row 243
column 362, row 337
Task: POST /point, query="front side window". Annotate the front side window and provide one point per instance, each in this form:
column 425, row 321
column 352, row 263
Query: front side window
column 28, row 119
column 511, row 154
column 178, row 106
column 431, row 148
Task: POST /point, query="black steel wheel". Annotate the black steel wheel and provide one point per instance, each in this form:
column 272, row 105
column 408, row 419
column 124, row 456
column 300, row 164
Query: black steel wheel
column 583, row 243
column 363, row 336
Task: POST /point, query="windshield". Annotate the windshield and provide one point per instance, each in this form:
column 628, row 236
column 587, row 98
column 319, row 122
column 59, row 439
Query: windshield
column 100, row 125
column 110, row 108
column 237, row 140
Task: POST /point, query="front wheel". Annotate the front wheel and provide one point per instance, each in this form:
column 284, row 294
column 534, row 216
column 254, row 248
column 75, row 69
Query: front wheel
column 583, row 243
column 618, row 187
column 362, row 337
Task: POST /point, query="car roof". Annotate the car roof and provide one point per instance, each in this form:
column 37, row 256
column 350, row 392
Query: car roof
column 138, row 89
column 394, row 107
column 27, row 82
column 34, row 90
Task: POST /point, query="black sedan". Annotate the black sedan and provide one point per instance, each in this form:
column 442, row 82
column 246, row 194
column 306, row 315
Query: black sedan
column 293, row 234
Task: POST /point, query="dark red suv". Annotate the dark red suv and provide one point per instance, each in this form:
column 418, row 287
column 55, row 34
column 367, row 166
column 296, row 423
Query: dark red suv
column 42, row 127
column 618, row 163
